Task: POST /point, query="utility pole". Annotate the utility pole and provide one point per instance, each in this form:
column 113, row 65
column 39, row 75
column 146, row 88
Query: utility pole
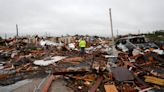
column 5, row 36
column 139, row 31
column 17, row 30
column 111, row 25
column 117, row 32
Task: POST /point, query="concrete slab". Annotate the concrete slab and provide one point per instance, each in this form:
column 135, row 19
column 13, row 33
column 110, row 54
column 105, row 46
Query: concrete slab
column 9, row 88
column 29, row 87
column 59, row 86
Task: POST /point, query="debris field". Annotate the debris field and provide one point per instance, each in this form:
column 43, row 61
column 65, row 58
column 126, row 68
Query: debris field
column 98, row 70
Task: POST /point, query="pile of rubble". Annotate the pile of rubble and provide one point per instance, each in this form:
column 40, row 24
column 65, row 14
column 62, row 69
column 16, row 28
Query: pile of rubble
column 96, row 71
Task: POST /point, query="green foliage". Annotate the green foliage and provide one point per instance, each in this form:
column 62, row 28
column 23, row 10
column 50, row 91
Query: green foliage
column 156, row 35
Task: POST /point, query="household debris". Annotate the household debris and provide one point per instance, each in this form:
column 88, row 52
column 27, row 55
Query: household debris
column 139, row 65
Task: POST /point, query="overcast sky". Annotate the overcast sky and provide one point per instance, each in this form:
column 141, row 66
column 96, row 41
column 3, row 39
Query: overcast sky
column 60, row 17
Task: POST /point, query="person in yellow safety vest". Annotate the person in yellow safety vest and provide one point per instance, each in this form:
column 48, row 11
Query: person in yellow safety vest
column 82, row 45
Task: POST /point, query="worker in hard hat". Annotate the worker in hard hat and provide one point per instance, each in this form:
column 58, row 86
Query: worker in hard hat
column 82, row 45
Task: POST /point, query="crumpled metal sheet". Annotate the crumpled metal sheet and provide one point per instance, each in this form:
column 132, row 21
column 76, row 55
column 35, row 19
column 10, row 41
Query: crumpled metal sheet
column 122, row 74
column 7, row 71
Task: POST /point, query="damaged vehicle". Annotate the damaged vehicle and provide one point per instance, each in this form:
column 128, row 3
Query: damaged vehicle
column 134, row 42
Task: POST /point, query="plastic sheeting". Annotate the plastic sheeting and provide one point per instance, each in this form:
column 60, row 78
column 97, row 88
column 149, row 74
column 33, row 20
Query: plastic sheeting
column 158, row 51
column 50, row 61
column 122, row 47
column 47, row 42
column 71, row 45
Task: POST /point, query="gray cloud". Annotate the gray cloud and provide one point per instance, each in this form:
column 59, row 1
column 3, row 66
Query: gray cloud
column 60, row 17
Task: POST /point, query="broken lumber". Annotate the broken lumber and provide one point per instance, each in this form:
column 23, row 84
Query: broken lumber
column 47, row 84
column 69, row 72
column 96, row 85
column 110, row 88
column 154, row 80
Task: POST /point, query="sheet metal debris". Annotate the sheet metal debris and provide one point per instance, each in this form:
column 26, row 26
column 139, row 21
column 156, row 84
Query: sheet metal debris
column 122, row 74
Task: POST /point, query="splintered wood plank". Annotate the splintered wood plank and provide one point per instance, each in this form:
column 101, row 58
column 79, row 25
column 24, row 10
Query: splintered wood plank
column 96, row 85
column 110, row 88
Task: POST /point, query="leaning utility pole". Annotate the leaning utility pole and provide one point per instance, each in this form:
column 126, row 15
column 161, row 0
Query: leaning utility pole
column 111, row 26
column 17, row 30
